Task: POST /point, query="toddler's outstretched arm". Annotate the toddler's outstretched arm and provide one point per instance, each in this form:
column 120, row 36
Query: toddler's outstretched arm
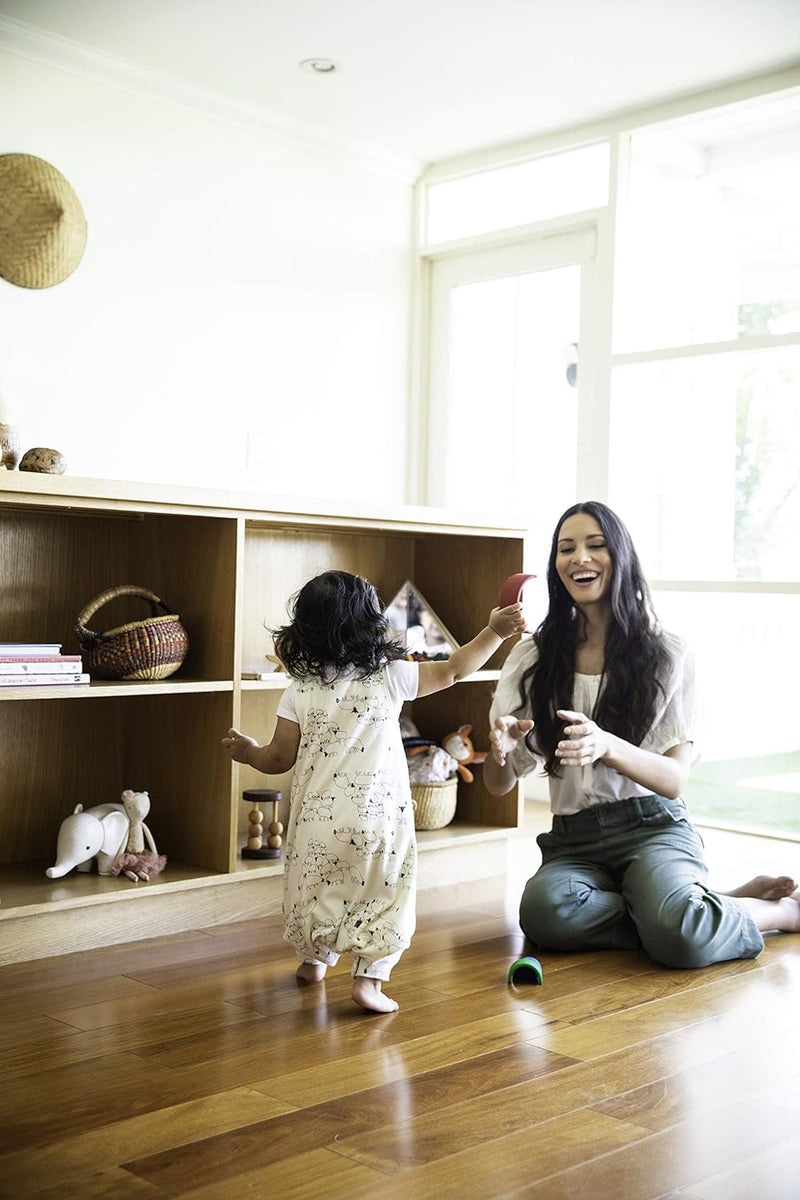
column 273, row 759
column 503, row 623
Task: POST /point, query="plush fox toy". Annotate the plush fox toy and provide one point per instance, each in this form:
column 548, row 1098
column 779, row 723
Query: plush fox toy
column 460, row 747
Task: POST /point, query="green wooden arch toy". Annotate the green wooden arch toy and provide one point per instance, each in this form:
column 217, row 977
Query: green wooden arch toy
column 525, row 970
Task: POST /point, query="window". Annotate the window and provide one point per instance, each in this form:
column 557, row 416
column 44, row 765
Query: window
column 748, row 662
column 709, row 231
column 704, row 430
column 705, row 464
column 569, row 182
column 680, row 323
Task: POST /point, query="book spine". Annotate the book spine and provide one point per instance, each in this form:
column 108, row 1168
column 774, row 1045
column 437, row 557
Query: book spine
column 42, row 680
column 30, row 649
column 36, row 667
column 39, row 658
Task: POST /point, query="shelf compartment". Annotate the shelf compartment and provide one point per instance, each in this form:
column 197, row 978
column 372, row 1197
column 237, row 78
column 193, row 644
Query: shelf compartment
column 59, row 561
column 459, row 575
column 164, row 744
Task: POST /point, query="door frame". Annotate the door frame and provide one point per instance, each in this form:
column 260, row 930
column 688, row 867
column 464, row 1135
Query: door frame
column 573, row 246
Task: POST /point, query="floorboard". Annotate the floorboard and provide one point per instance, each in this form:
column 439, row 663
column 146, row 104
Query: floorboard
column 194, row 1066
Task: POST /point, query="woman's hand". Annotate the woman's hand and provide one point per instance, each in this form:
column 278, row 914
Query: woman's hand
column 584, row 742
column 504, row 735
column 238, row 745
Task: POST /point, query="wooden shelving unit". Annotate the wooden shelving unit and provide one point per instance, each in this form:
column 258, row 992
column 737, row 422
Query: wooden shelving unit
column 227, row 562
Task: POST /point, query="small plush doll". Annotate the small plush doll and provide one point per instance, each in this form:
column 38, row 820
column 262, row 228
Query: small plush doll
column 134, row 861
column 429, row 763
column 459, row 745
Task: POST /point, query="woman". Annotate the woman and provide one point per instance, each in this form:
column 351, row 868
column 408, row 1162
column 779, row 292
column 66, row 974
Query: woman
column 604, row 700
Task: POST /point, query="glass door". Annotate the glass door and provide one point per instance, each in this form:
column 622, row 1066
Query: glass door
column 505, row 389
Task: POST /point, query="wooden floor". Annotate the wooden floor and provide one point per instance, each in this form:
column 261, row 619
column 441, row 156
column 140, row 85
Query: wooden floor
column 193, row 1066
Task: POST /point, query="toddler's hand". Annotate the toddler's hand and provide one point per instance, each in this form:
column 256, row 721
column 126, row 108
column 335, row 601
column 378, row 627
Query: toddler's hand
column 505, row 622
column 237, row 744
column 504, row 735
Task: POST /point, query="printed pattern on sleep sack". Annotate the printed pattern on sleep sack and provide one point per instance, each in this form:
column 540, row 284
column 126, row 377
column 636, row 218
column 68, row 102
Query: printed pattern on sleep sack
column 350, row 849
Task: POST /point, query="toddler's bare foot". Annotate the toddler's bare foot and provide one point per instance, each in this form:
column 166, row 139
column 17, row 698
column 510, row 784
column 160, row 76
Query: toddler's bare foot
column 311, row 972
column 766, row 887
column 367, row 994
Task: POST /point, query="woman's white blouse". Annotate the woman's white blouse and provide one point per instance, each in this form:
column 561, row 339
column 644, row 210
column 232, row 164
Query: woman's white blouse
column 579, row 788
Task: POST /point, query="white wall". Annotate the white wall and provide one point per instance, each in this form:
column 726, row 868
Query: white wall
column 239, row 318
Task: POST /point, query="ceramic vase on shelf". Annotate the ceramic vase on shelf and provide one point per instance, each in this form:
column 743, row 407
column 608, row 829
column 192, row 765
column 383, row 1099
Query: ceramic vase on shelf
column 9, row 439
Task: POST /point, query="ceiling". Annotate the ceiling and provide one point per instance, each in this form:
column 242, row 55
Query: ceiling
column 417, row 81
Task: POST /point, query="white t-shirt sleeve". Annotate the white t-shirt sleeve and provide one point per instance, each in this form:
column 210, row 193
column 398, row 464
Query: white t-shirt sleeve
column 286, row 705
column 402, row 679
column 677, row 721
column 507, row 699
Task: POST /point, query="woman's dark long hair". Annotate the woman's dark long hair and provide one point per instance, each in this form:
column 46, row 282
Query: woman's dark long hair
column 336, row 624
column 635, row 655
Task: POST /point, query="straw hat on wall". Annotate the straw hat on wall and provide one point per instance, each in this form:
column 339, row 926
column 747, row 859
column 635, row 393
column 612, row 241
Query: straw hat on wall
column 42, row 224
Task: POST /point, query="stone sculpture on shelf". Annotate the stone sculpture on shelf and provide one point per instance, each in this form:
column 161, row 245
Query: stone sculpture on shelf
column 44, row 461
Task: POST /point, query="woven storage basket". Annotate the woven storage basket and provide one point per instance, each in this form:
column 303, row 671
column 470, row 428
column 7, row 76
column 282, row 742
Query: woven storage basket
column 434, row 803
column 149, row 649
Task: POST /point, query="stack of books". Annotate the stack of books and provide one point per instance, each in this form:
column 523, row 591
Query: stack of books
column 23, row 664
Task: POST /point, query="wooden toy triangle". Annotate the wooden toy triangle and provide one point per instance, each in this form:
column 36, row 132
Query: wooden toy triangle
column 420, row 629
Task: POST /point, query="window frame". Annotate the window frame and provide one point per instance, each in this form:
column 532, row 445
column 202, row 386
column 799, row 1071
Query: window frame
column 598, row 360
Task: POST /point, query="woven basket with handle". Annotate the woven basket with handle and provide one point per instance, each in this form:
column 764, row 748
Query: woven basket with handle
column 434, row 803
column 150, row 649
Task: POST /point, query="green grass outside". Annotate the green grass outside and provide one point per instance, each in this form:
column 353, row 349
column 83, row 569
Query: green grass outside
column 715, row 792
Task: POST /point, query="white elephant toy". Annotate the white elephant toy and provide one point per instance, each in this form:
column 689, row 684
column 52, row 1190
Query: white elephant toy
column 100, row 833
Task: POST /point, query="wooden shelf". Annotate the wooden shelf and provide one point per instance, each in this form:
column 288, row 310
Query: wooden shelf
column 276, row 683
column 25, row 886
column 102, row 688
column 227, row 562
column 279, row 681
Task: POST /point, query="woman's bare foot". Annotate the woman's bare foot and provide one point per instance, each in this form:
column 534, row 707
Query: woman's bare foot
column 311, row 972
column 765, row 887
column 367, row 994
column 775, row 916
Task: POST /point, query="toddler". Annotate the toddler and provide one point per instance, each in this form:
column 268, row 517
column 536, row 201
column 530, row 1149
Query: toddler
column 350, row 848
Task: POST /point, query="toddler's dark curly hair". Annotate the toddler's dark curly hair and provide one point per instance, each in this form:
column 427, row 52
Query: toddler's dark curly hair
column 337, row 624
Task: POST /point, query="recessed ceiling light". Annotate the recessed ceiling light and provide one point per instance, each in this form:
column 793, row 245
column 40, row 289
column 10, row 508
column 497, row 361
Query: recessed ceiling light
column 319, row 66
